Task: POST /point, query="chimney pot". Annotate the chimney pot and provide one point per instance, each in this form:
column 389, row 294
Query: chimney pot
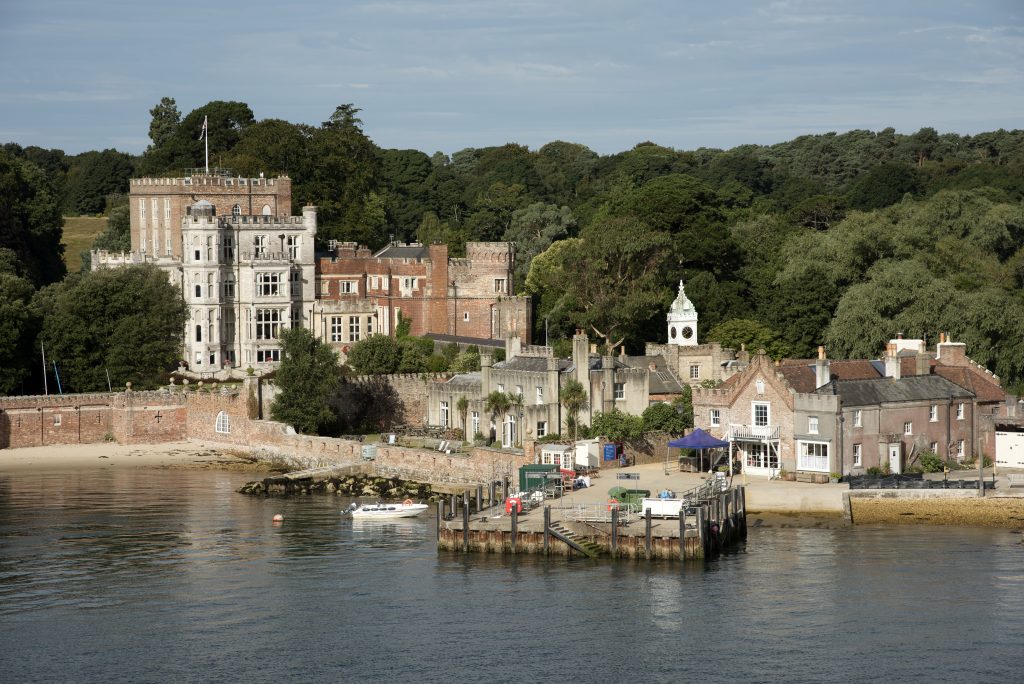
column 821, row 352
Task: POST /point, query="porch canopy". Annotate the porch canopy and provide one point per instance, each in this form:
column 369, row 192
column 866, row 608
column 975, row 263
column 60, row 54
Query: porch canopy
column 699, row 440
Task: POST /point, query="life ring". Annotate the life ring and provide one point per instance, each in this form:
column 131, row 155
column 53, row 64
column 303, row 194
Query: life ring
column 613, row 504
column 407, row 502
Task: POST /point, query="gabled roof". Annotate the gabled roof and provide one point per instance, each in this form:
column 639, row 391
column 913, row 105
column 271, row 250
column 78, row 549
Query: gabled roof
column 983, row 386
column 534, row 364
column 799, row 373
column 662, row 381
column 465, row 380
column 883, row 390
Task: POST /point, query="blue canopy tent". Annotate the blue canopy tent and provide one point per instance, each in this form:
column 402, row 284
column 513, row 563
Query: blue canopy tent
column 699, row 440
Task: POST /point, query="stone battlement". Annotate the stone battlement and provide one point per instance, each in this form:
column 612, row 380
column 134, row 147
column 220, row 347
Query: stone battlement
column 207, row 182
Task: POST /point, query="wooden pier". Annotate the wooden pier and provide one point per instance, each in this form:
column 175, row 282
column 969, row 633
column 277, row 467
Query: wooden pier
column 703, row 531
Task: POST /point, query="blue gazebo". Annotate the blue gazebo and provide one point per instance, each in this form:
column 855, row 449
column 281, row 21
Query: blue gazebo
column 699, row 440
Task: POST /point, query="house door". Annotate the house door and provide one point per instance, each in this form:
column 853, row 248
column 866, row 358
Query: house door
column 895, row 462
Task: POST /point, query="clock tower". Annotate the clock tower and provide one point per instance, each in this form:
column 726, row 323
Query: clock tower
column 682, row 321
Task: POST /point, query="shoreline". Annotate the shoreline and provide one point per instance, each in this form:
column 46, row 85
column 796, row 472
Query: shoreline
column 75, row 457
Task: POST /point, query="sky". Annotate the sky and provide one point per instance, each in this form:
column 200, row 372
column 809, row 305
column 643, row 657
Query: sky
column 449, row 74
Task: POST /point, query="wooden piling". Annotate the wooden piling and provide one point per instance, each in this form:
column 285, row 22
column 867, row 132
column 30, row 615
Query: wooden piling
column 547, row 530
column 647, row 534
column 615, row 532
column 702, row 530
column 682, row 533
column 490, row 492
column 515, row 527
column 479, row 498
column 465, row 526
column 440, row 517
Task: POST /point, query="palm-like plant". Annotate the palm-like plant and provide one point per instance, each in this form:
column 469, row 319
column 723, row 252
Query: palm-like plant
column 462, row 406
column 515, row 404
column 574, row 399
column 497, row 404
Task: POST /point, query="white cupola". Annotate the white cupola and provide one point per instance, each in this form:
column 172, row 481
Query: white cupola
column 682, row 321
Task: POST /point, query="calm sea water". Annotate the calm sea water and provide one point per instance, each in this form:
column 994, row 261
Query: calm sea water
column 170, row 576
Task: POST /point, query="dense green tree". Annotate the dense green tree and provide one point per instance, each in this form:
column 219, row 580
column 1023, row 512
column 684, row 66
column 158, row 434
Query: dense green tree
column 374, row 355
column 30, row 221
column 883, row 185
column 181, row 147
column 497, row 405
column 116, row 237
column 94, row 177
column 533, row 229
column 166, row 118
column 18, row 328
column 273, row 147
column 617, row 426
column 307, row 381
column 739, row 333
column 664, row 418
column 126, row 321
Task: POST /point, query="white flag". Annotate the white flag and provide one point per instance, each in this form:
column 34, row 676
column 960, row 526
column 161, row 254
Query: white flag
column 203, row 134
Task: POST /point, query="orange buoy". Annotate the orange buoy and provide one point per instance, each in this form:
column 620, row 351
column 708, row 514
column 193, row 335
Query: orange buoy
column 613, row 504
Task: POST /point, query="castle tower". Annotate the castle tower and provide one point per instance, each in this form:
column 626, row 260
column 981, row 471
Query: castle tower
column 682, row 321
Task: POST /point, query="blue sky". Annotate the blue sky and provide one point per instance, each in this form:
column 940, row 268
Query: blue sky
column 449, row 74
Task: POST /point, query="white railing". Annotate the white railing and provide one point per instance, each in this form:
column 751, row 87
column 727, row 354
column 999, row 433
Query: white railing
column 755, row 432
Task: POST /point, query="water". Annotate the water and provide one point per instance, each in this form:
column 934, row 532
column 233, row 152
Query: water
column 134, row 575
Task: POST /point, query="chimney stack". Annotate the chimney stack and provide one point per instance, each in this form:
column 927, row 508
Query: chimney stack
column 892, row 362
column 822, row 373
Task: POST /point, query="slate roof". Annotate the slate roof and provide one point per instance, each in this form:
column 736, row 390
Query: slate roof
column 978, row 382
column 662, row 381
column 465, row 380
column 536, row 364
column 404, row 252
column 887, row 390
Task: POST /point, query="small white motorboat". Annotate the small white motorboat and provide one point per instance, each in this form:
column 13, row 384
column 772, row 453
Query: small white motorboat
column 386, row 511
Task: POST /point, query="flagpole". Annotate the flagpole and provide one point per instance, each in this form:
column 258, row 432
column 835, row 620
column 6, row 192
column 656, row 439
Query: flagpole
column 46, row 389
column 206, row 139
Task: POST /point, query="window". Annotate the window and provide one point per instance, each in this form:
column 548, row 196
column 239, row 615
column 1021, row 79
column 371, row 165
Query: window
column 465, row 315
column 209, row 286
column 540, row 395
column 167, row 247
column 501, row 388
column 268, row 323
column 933, row 413
column 519, row 390
column 56, row 420
column 542, row 428
column 199, row 290
column 197, row 254
column 960, row 411
column 268, row 355
column 908, row 428
column 325, row 287
column 444, row 413
column 694, row 371
column 408, row 284
column 223, row 423
column 934, row 448
column 155, row 218
column 229, row 286
column 760, row 414
column 337, row 326
column 813, row 456
column 199, row 358
column 268, row 284
column 620, row 390
column 142, row 210
column 960, row 448
column 857, row 418
column 346, row 287
column 292, row 241
column 236, row 211
column 266, row 210
column 229, row 248
column 295, row 278
column 353, row 330
column 499, row 285
column 812, row 425
column 716, row 417
column 857, row 456
column 259, row 245
column 760, row 456
column 199, row 333
column 476, row 422
column 167, row 212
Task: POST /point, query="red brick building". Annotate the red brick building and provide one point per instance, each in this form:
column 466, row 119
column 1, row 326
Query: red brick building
column 465, row 297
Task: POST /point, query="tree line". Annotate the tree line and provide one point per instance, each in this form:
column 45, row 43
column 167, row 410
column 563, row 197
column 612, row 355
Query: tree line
column 841, row 238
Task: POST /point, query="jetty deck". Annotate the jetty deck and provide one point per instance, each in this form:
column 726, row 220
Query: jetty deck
column 713, row 520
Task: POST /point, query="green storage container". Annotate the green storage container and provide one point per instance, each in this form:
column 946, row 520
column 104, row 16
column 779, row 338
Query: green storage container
column 534, row 477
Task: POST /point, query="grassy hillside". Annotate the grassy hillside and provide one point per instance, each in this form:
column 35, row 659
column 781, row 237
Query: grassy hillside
column 79, row 232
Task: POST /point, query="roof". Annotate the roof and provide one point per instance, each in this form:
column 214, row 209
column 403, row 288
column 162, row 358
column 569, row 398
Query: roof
column 404, row 252
column 889, row 390
column 983, row 386
column 799, row 373
column 535, row 364
column 662, row 381
column 466, row 340
column 465, row 380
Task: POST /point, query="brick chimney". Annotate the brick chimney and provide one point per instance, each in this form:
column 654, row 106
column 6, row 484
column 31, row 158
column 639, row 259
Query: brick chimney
column 822, row 374
column 950, row 353
column 922, row 367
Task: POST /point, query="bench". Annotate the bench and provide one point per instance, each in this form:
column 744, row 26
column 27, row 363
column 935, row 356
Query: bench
column 1015, row 480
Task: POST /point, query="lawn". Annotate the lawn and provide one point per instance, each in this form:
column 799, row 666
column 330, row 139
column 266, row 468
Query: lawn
column 79, row 232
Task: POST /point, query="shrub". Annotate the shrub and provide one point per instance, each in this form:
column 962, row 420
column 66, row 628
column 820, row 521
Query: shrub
column 930, row 462
column 874, row 470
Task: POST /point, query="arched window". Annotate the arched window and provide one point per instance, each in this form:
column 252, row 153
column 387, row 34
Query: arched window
column 236, row 210
column 223, row 423
column 266, row 210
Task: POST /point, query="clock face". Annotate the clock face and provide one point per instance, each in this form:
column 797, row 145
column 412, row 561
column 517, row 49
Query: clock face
column 687, row 333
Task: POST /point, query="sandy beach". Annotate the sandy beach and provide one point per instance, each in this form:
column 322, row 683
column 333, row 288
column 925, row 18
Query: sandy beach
column 112, row 455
